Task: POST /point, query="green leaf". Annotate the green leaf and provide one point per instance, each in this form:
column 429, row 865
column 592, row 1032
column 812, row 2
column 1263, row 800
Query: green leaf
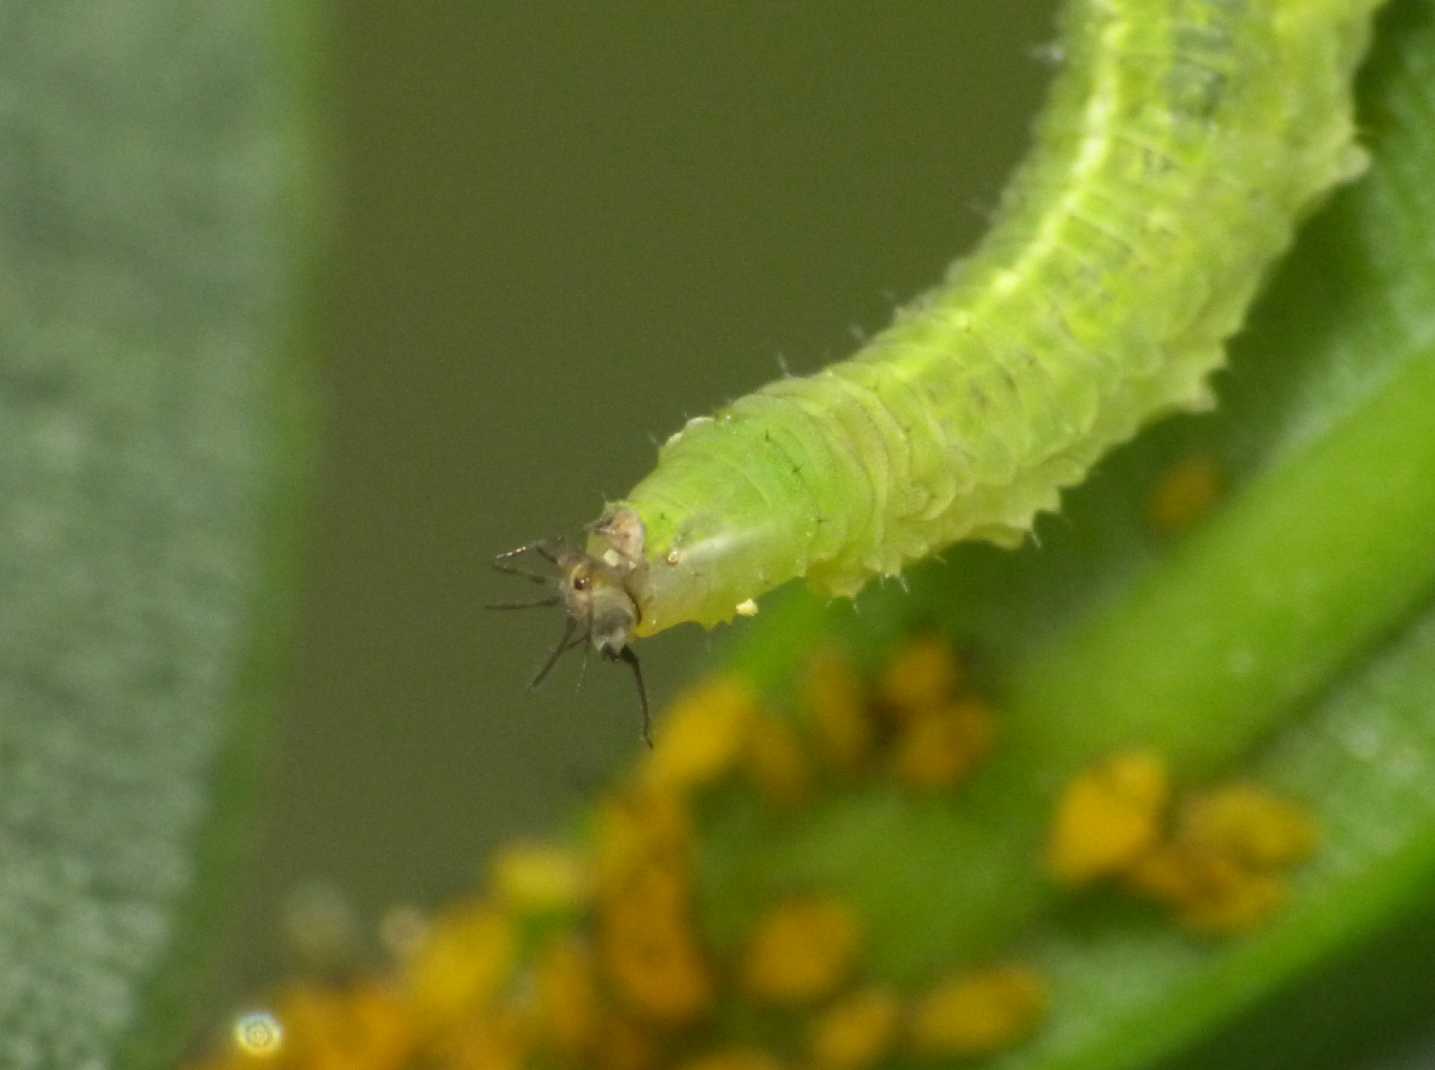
column 153, row 450
column 1286, row 639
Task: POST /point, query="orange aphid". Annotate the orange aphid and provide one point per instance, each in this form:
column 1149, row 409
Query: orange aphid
column 856, row 1031
column 921, row 676
column 499, row 1040
column 1249, row 823
column 622, row 1044
column 1209, row 894
column 466, row 956
column 1184, row 494
column 1108, row 816
column 567, row 996
column 938, row 748
column 800, row 950
column 365, row 1027
column 702, row 735
column 634, row 828
column 833, row 695
column 531, row 877
column 649, row 949
column 776, row 762
column 1221, row 871
column 978, row 1013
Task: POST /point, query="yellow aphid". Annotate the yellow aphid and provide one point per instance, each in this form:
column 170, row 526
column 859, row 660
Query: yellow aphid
column 1209, row 894
column 978, row 1013
column 649, row 949
column 832, row 692
column 567, row 994
column 634, row 828
column 800, row 951
column 1240, row 907
column 647, row 946
column 537, row 877
column 702, row 735
column 776, row 762
column 623, row 1045
column 1184, row 494
column 366, row 1027
column 465, row 958
column 1220, row 872
column 1108, row 816
column 920, row 677
column 733, row 1059
column 658, row 972
column 499, row 1040
column 855, row 1032
column 657, row 887
column 1247, row 823
column 938, row 748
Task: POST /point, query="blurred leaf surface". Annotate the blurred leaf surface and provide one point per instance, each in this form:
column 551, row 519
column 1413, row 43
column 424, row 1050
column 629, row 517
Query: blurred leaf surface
column 143, row 403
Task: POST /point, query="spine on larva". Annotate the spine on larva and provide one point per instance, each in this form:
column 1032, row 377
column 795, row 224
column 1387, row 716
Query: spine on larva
column 1183, row 142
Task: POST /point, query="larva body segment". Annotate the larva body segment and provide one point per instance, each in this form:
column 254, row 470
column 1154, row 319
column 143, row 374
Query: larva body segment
column 1183, row 142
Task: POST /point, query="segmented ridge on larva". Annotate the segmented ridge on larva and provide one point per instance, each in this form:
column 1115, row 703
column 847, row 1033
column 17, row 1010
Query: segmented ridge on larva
column 1184, row 141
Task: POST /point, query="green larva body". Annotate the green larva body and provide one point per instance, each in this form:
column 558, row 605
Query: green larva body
column 1184, row 141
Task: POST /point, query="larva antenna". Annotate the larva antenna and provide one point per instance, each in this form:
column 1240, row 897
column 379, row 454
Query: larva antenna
column 504, row 563
column 552, row 600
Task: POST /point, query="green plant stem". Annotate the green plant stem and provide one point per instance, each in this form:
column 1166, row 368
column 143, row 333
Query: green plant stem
column 1304, row 570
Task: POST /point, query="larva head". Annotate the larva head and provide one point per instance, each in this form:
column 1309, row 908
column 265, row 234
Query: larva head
column 598, row 608
column 596, row 598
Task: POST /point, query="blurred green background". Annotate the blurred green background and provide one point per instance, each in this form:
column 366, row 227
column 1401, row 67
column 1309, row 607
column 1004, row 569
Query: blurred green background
column 558, row 231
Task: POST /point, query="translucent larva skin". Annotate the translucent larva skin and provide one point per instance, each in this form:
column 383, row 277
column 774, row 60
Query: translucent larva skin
column 1184, row 141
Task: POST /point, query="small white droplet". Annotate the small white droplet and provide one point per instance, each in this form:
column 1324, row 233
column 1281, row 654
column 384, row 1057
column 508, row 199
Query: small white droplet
column 747, row 608
column 258, row 1033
